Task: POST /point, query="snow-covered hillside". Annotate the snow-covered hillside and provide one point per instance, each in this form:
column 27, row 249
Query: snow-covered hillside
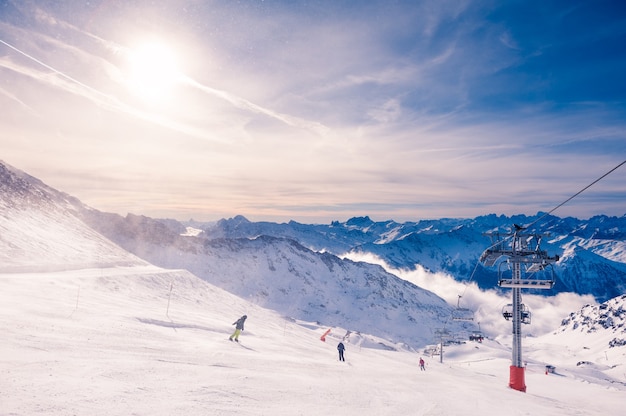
column 147, row 341
column 282, row 275
column 40, row 231
column 100, row 332
column 604, row 323
column 276, row 273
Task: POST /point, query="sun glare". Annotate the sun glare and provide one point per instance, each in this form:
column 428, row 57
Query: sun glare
column 153, row 71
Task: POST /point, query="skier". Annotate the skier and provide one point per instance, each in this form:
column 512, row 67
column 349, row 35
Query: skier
column 422, row 364
column 238, row 328
column 341, row 348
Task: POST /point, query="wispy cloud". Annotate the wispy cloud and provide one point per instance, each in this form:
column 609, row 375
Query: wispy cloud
column 508, row 41
column 69, row 84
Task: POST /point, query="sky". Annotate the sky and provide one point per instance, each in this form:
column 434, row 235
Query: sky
column 117, row 341
column 317, row 111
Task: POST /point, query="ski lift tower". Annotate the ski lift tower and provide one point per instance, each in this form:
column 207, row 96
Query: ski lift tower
column 524, row 252
column 441, row 334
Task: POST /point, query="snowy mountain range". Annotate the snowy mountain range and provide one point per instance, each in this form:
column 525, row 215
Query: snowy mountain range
column 92, row 327
column 592, row 252
column 304, row 271
column 44, row 229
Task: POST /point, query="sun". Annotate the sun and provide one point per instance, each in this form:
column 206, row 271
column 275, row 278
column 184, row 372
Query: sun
column 153, row 71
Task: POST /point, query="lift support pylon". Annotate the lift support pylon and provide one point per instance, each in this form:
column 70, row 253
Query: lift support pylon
column 524, row 250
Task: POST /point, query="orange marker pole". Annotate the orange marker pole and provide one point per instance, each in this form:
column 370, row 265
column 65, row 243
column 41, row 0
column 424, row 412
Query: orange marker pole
column 323, row 337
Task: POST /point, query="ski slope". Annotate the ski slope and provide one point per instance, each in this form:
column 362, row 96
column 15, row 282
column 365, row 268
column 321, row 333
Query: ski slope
column 140, row 340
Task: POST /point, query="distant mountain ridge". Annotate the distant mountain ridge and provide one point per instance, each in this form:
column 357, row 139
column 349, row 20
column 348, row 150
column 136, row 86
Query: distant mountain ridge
column 281, row 274
column 301, row 270
column 592, row 252
column 43, row 229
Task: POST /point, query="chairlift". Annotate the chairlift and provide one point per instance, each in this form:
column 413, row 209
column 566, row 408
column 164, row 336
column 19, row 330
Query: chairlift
column 525, row 315
column 476, row 336
column 507, row 311
column 462, row 314
column 545, row 282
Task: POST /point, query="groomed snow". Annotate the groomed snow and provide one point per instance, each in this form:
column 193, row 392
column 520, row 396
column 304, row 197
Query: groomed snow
column 113, row 341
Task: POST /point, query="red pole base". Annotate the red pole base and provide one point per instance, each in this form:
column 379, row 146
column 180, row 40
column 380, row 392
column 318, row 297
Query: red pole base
column 516, row 379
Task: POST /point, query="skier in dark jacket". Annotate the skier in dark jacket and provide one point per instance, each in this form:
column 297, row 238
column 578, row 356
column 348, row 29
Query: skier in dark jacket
column 341, row 348
column 238, row 328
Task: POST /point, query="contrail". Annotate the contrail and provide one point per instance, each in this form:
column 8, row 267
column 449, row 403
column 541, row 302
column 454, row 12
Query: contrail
column 13, row 97
column 248, row 105
column 231, row 98
column 234, row 100
column 113, row 103
column 56, row 71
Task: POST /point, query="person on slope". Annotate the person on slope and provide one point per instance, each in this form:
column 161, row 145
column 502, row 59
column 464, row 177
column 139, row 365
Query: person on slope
column 341, row 348
column 422, row 368
column 238, row 328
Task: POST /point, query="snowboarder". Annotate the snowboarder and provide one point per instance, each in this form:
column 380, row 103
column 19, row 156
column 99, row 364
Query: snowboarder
column 341, row 348
column 238, row 328
column 422, row 368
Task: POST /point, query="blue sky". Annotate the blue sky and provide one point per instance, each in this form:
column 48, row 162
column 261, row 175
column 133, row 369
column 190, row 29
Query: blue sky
column 318, row 110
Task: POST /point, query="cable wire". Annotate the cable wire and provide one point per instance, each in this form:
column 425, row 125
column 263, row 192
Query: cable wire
column 467, row 282
column 576, row 194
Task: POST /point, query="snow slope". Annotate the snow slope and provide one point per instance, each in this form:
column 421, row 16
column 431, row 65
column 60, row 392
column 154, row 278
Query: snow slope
column 283, row 276
column 117, row 341
column 40, row 231
column 89, row 329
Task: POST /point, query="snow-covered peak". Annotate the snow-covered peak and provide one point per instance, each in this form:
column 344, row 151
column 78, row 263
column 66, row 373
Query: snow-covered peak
column 453, row 246
column 609, row 317
column 39, row 229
